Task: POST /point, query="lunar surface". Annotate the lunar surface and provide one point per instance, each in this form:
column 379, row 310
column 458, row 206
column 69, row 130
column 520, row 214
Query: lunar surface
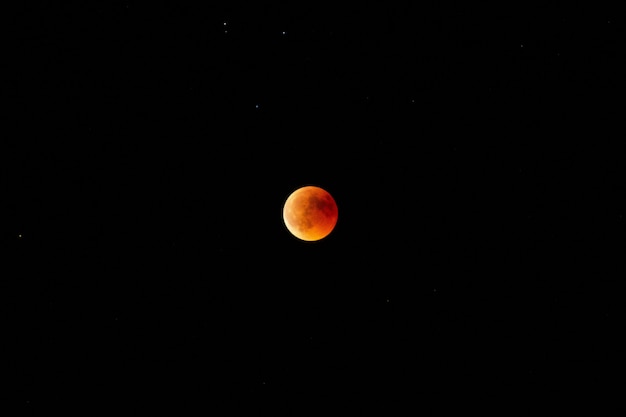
column 310, row 213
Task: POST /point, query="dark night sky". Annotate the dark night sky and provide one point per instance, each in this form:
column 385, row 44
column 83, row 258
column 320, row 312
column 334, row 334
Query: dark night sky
column 474, row 153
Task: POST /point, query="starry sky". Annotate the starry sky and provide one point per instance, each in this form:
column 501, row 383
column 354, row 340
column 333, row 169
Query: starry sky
column 473, row 150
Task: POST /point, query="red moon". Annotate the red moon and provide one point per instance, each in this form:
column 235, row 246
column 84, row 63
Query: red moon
column 310, row 213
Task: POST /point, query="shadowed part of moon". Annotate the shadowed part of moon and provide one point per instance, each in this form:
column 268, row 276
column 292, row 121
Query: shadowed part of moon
column 310, row 213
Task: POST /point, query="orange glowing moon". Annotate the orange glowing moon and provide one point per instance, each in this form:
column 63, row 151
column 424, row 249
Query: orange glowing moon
column 310, row 213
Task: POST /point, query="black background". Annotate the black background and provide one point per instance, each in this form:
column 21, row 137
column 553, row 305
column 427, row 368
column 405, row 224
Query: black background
column 474, row 153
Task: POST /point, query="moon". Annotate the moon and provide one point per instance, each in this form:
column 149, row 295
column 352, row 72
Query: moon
column 310, row 213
